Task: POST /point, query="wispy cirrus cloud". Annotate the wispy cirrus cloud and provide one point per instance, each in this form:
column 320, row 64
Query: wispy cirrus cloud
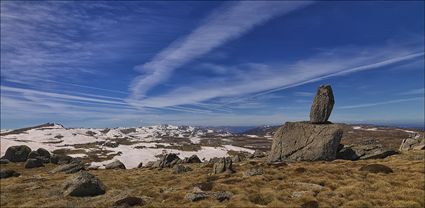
column 419, row 91
column 364, row 105
column 226, row 23
column 251, row 80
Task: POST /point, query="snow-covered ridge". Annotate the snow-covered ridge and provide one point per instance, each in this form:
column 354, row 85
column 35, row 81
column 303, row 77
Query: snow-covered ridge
column 130, row 145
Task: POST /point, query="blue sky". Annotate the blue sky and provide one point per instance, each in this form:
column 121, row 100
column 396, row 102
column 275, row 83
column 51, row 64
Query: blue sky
column 107, row 64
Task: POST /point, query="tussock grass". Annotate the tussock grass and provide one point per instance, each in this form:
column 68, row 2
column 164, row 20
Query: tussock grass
column 343, row 185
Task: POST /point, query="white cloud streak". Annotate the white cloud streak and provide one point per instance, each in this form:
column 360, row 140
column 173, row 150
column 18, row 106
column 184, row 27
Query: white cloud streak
column 381, row 103
column 226, row 23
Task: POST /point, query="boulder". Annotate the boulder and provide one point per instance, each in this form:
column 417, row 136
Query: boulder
column 376, row 168
column 236, row 158
column 68, row 168
column 60, row 159
column 223, row 195
column 33, row 163
column 8, row 173
column 322, row 105
column 17, row 153
column 116, row 164
column 364, row 152
column 140, row 165
column 192, row 159
column 129, row 202
column 303, row 141
column 223, row 165
column 168, row 161
column 197, row 196
column 310, row 204
column 4, row 161
column 415, row 142
column 181, row 169
column 83, row 184
column 43, row 152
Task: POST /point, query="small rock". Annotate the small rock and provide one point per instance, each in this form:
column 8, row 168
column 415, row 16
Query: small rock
column 129, row 202
column 300, row 170
column 140, row 165
column 308, row 186
column 223, row 195
column 322, row 105
column 253, row 172
column 258, row 154
column 83, row 184
column 298, row 194
column 4, row 161
column 310, row 204
column 376, row 168
column 33, row 163
column 223, row 165
column 181, row 169
column 17, row 153
column 115, row 165
column 196, row 196
column 204, row 186
column 68, row 168
column 8, row 173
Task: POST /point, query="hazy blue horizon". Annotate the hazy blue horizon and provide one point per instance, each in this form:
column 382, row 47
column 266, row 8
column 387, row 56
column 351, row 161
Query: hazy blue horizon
column 238, row 63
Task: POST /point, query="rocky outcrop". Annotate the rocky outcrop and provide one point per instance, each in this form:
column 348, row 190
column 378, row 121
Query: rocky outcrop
column 197, row 195
column 364, row 152
column 303, row 141
column 60, row 159
column 17, row 153
column 8, row 173
column 223, row 165
column 179, row 169
column 83, row 184
column 40, row 154
column 116, row 164
column 415, row 142
column 322, row 105
column 33, row 163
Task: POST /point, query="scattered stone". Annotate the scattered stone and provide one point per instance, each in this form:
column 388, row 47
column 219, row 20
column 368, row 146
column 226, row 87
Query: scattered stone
column 322, row 105
column 68, row 168
column 376, row 168
column 308, row 186
column 192, row 159
column 196, row 196
column 4, row 161
column 116, row 164
column 364, row 152
column 83, row 184
column 310, row 204
column 129, row 202
column 415, row 142
column 302, row 141
column 140, row 165
column 204, row 186
column 8, row 173
column 223, row 195
column 60, row 159
column 258, row 154
column 298, row 194
column 277, row 164
column 223, row 165
column 168, row 161
column 253, row 172
column 181, row 169
column 17, row 153
column 33, row 163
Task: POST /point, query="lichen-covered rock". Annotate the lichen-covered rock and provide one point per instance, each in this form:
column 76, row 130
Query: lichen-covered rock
column 364, row 152
column 415, row 142
column 83, row 184
column 223, row 165
column 168, row 161
column 116, row 164
column 303, row 141
column 181, row 169
column 253, row 172
column 17, row 153
column 322, row 105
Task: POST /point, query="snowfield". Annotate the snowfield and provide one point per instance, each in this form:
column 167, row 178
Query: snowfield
column 129, row 145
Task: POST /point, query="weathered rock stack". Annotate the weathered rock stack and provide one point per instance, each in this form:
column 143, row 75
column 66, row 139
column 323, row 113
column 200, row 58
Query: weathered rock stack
column 309, row 141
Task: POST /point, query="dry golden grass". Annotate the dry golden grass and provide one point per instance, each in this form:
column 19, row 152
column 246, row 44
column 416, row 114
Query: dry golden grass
column 344, row 185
